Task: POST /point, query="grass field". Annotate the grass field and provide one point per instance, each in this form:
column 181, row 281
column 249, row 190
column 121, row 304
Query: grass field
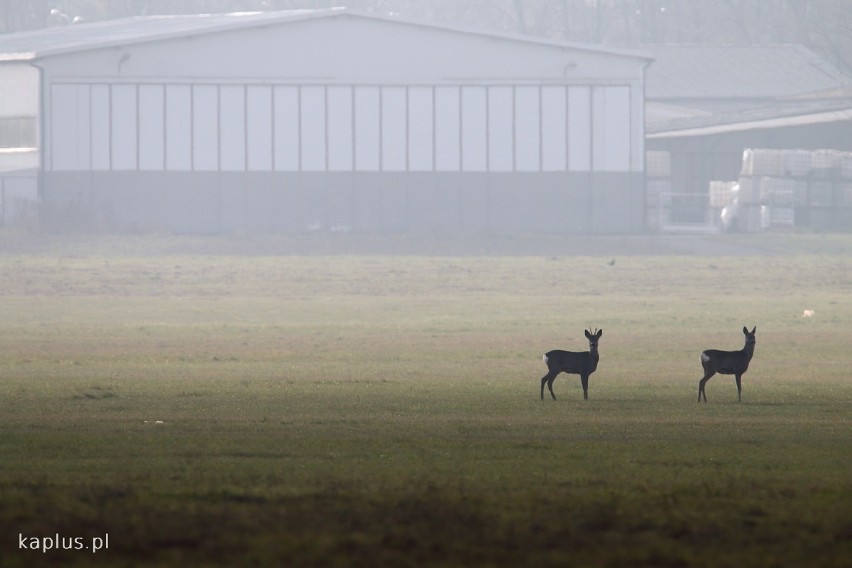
column 241, row 404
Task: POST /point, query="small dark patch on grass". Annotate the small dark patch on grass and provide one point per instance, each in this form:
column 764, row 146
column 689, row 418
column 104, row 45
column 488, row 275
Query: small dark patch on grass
column 96, row 393
column 190, row 394
column 261, row 455
column 338, row 382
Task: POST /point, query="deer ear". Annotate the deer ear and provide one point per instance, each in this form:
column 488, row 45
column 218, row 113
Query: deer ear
column 588, row 335
column 754, row 330
column 745, row 330
column 600, row 332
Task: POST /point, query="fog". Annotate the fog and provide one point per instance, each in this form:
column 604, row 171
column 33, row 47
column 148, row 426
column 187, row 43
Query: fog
column 426, row 118
column 282, row 282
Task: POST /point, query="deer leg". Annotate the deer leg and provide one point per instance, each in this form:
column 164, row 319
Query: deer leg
column 584, row 379
column 548, row 378
column 701, row 384
column 739, row 388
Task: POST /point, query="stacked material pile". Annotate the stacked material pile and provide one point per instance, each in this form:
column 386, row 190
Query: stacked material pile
column 779, row 189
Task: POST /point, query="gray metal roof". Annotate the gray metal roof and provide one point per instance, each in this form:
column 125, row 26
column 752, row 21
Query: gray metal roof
column 28, row 46
column 78, row 37
column 738, row 72
column 780, row 114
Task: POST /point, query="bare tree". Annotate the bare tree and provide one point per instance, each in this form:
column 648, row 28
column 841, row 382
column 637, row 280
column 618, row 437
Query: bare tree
column 18, row 15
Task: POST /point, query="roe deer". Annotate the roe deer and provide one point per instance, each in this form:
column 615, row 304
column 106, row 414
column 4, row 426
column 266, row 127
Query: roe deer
column 581, row 363
column 727, row 363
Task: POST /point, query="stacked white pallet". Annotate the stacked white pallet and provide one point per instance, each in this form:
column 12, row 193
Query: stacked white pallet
column 781, row 182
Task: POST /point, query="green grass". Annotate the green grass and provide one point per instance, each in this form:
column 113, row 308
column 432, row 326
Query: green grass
column 223, row 409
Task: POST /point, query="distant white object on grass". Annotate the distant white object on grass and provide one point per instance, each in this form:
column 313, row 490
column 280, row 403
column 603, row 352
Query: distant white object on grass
column 808, row 314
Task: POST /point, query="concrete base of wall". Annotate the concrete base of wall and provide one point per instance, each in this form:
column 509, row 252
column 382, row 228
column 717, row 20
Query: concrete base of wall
column 381, row 203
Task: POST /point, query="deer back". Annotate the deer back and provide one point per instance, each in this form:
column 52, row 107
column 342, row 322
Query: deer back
column 727, row 362
column 582, row 362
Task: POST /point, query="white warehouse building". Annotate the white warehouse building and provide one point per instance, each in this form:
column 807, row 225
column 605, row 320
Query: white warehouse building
column 279, row 121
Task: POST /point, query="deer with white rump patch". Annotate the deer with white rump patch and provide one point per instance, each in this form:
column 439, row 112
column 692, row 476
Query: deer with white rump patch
column 581, row 363
column 727, row 363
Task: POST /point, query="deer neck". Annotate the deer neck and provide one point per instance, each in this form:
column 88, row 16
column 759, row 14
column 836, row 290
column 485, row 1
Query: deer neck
column 593, row 355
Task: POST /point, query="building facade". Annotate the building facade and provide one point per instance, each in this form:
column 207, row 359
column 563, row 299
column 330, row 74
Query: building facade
column 330, row 120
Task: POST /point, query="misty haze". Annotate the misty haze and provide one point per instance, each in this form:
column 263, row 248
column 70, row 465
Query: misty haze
column 293, row 283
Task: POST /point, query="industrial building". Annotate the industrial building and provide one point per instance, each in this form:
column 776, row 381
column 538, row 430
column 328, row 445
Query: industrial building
column 325, row 120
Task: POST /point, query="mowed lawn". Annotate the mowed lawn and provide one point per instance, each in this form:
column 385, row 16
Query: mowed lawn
column 383, row 410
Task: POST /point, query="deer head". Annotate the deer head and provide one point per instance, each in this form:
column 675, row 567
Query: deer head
column 749, row 335
column 593, row 338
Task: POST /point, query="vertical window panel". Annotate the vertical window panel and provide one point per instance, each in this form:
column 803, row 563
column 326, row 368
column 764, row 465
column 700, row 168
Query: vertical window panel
column 393, row 129
column 554, row 155
column 474, row 129
column 84, row 127
column 579, row 129
column 637, row 140
column 501, row 104
column 178, row 127
column 259, row 128
column 232, row 128
column 313, row 134
column 611, row 139
column 340, row 129
column 527, row 129
column 619, row 125
column 420, row 129
column 100, row 125
column 205, row 128
column 63, row 127
column 69, row 120
column 151, row 127
column 124, row 135
column 286, row 128
column 599, row 149
column 447, row 129
column 367, row 136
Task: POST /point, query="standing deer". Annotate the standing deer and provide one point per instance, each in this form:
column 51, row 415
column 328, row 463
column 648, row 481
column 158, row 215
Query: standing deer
column 581, row 363
column 727, row 363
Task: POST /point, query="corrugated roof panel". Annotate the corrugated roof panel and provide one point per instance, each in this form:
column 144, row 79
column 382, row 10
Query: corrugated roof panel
column 51, row 41
column 757, row 71
column 75, row 37
column 786, row 113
